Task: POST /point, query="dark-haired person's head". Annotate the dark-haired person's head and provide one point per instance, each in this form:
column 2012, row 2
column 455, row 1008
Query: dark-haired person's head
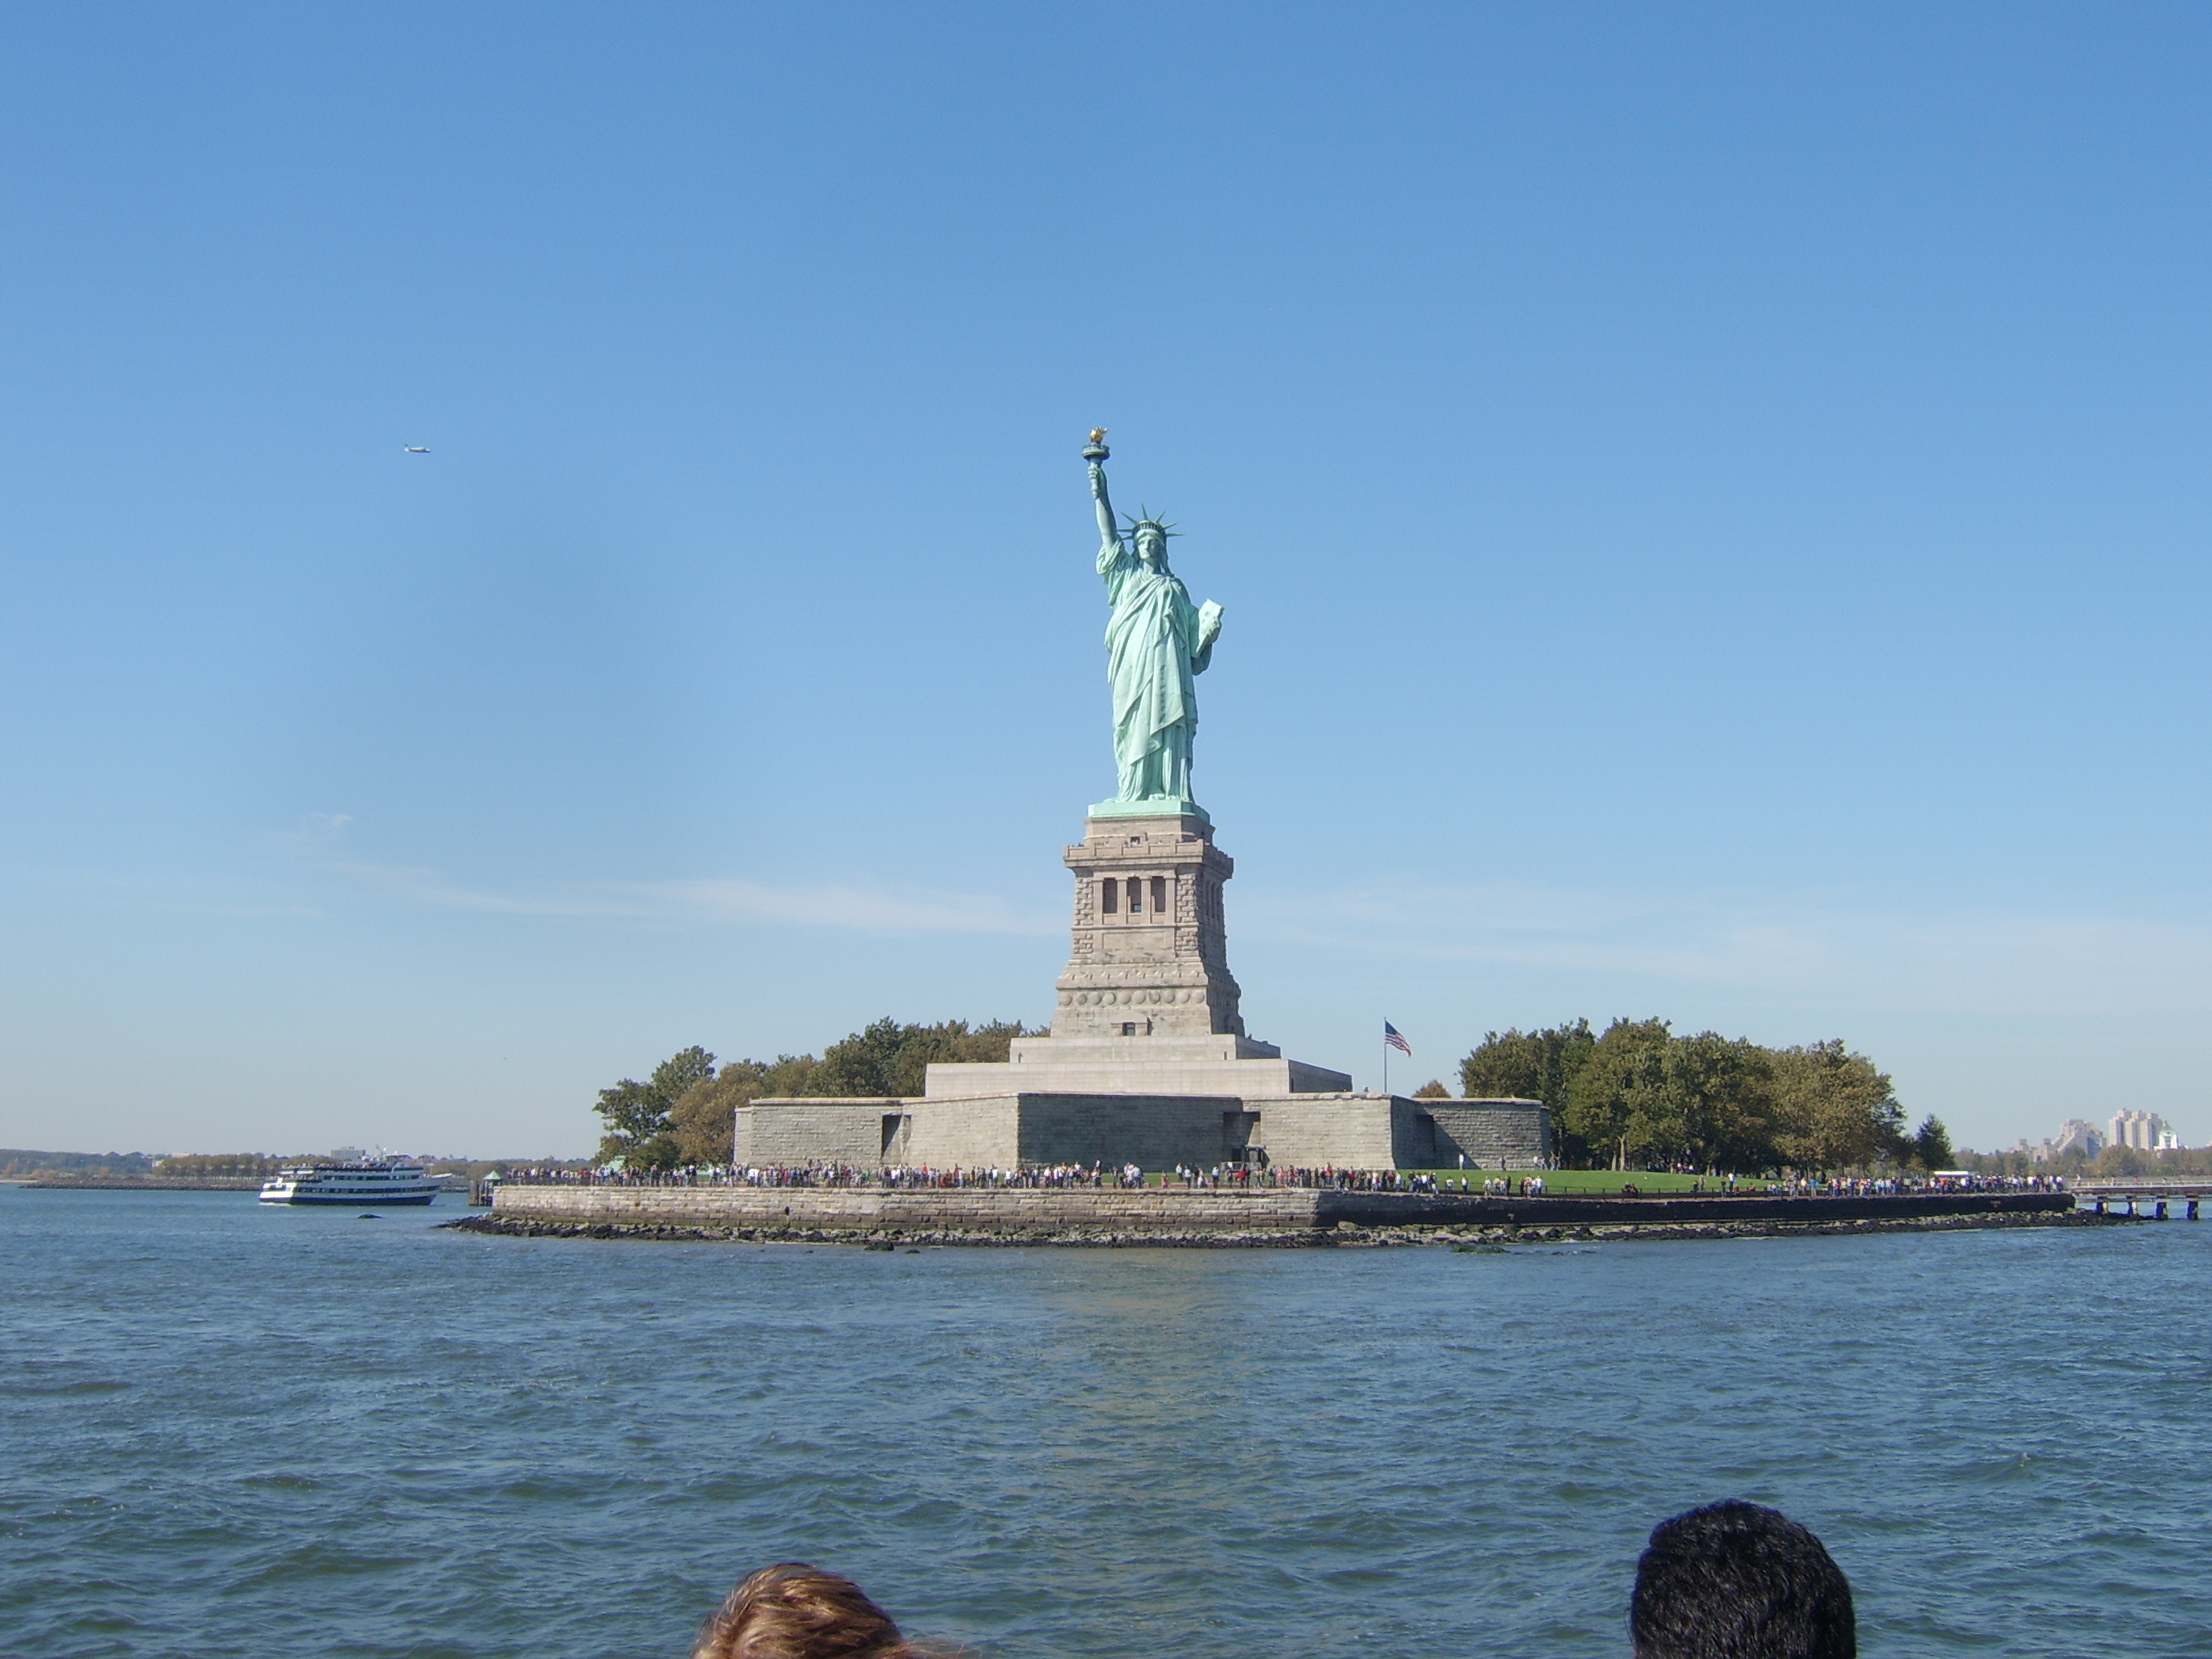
column 794, row 1611
column 1737, row 1581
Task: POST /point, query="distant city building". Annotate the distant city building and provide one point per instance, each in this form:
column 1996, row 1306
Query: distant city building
column 2168, row 1141
column 2144, row 1131
column 2074, row 1135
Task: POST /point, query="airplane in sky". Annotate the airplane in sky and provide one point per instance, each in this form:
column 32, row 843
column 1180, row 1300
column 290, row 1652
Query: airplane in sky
column 416, row 449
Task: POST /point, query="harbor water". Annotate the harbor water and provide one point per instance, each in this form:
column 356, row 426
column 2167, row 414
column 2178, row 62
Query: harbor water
column 231, row 1429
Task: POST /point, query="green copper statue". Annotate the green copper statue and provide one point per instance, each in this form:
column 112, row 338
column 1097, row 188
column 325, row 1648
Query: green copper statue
column 1155, row 643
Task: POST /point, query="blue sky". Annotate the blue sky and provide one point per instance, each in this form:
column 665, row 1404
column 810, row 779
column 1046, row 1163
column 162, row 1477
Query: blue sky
column 1710, row 502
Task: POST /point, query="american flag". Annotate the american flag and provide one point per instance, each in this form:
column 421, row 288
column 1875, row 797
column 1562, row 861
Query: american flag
column 1392, row 1039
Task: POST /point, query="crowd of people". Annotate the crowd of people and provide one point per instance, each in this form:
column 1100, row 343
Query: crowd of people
column 1893, row 1185
column 1377, row 1181
column 1247, row 1177
column 1731, row 1580
column 552, row 1175
column 1041, row 1176
column 1507, row 1186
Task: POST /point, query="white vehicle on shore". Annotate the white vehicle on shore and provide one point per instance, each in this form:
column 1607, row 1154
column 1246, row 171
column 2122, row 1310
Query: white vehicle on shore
column 371, row 1181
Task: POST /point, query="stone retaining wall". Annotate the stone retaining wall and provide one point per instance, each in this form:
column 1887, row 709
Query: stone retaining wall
column 870, row 1209
column 985, row 1131
column 1111, row 1211
column 1032, row 1128
column 1494, row 1134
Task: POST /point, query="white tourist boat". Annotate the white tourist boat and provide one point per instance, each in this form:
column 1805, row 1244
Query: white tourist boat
column 371, row 1181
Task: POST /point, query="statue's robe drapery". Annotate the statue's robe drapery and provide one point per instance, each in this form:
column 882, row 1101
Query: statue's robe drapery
column 1156, row 641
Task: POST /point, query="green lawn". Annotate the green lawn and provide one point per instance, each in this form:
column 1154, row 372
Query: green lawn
column 1559, row 1181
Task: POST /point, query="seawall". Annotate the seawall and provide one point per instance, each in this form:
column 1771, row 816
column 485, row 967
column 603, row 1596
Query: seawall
column 1266, row 1216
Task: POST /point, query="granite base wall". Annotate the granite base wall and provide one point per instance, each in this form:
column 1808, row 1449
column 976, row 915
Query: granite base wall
column 1514, row 1134
column 805, row 1132
column 1396, row 1132
column 994, row 1132
column 1312, row 1132
column 1154, row 1131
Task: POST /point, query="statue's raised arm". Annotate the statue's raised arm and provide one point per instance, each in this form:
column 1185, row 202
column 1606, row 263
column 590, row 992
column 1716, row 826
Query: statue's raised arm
column 1096, row 453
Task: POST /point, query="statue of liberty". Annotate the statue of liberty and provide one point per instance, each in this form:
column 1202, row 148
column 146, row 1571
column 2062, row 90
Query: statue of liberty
column 1156, row 641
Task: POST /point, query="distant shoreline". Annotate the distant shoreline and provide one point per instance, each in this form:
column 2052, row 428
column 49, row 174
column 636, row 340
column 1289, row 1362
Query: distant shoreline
column 147, row 1183
column 161, row 1183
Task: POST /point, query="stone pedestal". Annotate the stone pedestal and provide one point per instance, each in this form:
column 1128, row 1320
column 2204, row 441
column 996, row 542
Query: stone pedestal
column 1149, row 956
column 1138, row 1065
column 1148, row 1061
column 1147, row 1005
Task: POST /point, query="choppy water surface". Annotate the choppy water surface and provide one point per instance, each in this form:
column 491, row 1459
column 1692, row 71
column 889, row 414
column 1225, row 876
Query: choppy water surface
column 230, row 1430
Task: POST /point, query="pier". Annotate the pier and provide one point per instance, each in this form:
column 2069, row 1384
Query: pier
column 2139, row 1198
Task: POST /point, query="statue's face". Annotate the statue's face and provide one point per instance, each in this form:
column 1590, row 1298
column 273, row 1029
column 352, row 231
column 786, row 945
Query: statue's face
column 1152, row 549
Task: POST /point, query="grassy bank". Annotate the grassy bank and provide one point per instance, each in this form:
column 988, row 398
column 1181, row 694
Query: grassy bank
column 1558, row 1182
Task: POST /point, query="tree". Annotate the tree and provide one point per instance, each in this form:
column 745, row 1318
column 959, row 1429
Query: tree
column 191, row 1165
column 1931, row 1145
column 686, row 1112
column 638, row 1129
column 704, row 1117
column 1832, row 1110
column 1532, row 1066
column 1638, row 1094
column 1618, row 1100
column 2125, row 1163
column 888, row 1059
column 1648, row 1097
column 1432, row 1090
column 1720, row 1104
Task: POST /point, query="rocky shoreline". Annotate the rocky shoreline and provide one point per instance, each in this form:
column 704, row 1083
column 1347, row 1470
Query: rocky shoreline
column 1343, row 1235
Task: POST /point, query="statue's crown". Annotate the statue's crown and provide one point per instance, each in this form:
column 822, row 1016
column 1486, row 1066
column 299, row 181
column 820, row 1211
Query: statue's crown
column 1147, row 520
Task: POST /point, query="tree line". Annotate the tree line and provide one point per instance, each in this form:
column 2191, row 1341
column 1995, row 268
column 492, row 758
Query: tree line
column 1636, row 1096
column 2129, row 1163
column 194, row 1165
column 23, row 1161
column 685, row 1111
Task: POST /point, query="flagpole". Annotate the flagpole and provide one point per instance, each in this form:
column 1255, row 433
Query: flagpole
column 1386, row 1061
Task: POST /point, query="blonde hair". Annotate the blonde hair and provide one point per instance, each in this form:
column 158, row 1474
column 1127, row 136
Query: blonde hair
column 794, row 1611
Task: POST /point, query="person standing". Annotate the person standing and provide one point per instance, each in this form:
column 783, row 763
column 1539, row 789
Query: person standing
column 1739, row 1581
column 795, row 1611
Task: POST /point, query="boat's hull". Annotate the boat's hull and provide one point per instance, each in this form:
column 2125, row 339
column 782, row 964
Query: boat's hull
column 355, row 1199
